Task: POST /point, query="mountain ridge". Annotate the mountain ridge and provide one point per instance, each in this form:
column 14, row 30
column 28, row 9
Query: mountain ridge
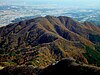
column 50, row 37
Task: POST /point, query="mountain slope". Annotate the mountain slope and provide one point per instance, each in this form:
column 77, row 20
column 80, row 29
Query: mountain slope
column 69, row 67
column 66, row 66
column 43, row 40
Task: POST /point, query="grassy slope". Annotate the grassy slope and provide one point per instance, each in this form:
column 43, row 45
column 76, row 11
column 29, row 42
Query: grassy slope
column 93, row 56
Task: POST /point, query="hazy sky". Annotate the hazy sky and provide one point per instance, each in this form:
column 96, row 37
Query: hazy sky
column 66, row 3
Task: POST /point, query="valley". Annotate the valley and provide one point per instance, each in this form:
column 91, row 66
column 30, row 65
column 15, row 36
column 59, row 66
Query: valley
column 14, row 13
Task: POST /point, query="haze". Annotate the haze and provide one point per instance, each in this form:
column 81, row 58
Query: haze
column 64, row 3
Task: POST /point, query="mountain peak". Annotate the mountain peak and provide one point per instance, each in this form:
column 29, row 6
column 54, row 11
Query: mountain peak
column 43, row 40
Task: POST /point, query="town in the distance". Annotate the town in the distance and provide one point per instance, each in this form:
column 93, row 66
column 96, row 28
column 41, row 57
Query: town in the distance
column 15, row 13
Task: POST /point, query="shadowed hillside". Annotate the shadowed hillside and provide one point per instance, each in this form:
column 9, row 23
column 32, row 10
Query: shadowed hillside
column 66, row 66
column 69, row 67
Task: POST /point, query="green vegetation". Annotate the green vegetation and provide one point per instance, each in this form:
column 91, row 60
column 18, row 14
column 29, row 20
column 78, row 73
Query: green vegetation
column 1, row 67
column 3, row 48
column 93, row 56
column 94, row 38
column 4, row 64
column 97, row 47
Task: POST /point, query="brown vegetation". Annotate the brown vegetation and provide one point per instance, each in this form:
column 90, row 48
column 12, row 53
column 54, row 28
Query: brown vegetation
column 44, row 40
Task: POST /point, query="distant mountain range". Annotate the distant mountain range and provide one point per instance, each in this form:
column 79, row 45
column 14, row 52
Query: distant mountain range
column 45, row 40
column 13, row 13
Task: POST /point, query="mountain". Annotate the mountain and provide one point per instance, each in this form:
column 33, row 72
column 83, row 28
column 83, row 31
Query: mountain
column 69, row 67
column 15, row 13
column 45, row 40
column 91, row 26
column 66, row 66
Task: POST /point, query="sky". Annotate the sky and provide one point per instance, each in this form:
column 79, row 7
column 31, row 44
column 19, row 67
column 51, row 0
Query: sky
column 65, row 3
